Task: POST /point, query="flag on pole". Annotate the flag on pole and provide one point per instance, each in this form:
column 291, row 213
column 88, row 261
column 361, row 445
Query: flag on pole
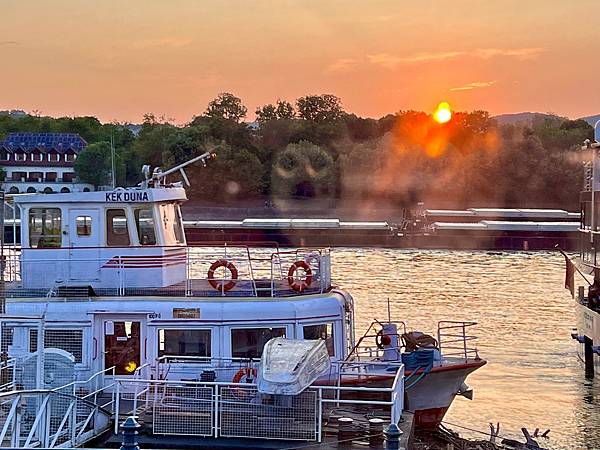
column 569, row 275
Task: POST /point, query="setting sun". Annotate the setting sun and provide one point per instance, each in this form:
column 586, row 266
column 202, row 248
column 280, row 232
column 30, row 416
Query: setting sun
column 443, row 113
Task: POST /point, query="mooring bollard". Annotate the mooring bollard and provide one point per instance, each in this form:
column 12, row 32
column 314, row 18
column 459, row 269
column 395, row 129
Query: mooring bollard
column 392, row 437
column 375, row 432
column 130, row 434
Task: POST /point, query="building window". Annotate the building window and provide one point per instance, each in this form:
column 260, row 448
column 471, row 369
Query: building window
column 84, row 225
column 69, row 340
column 144, row 222
column 68, row 177
column 19, row 176
column 53, row 157
column 37, row 156
column 30, row 190
column 117, row 234
column 20, row 156
column 184, row 343
column 4, row 155
column 65, row 190
column 44, row 228
column 13, row 190
column 249, row 342
column 322, row 331
column 50, row 177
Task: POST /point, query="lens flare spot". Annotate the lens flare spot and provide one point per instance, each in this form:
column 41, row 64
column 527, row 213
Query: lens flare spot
column 442, row 113
column 130, row 367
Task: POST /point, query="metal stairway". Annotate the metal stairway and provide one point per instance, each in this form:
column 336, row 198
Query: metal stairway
column 49, row 419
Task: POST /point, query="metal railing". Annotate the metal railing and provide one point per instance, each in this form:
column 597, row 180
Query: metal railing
column 454, row 341
column 224, row 409
column 49, row 419
column 188, row 272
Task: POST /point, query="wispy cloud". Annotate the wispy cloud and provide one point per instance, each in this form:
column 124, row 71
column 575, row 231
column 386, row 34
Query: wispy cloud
column 474, row 85
column 519, row 53
column 341, row 65
column 9, row 43
column 390, row 61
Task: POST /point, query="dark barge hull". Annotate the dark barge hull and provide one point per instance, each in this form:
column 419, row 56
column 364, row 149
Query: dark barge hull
column 465, row 240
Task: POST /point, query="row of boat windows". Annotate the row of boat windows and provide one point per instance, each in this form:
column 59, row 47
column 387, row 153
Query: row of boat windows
column 245, row 342
column 122, row 342
column 45, row 225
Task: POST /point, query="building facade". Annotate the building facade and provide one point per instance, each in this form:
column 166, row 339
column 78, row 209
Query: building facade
column 41, row 162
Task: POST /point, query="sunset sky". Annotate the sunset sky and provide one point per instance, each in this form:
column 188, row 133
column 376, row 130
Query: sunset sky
column 120, row 59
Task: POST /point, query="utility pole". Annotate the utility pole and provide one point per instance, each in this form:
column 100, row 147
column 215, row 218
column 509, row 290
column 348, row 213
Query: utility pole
column 112, row 160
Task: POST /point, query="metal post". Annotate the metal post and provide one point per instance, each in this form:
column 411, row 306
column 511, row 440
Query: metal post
column 392, row 437
column 130, row 434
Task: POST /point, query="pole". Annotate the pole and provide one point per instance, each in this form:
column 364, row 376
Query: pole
column 112, row 158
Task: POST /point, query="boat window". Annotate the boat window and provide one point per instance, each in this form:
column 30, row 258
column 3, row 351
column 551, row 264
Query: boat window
column 249, row 342
column 122, row 346
column 184, row 342
column 69, row 340
column 144, row 222
column 6, row 338
column 171, row 218
column 322, row 331
column 44, row 228
column 84, row 225
column 117, row 234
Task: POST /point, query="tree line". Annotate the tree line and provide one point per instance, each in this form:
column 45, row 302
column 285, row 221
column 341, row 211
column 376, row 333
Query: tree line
column 313, row 149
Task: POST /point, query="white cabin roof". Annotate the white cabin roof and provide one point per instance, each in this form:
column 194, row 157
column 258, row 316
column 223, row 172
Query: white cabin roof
column 119, row 195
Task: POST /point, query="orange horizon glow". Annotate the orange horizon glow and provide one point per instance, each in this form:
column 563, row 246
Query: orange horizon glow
column 120, row 60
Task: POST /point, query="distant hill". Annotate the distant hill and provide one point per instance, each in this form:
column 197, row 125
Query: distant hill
column 523, row 117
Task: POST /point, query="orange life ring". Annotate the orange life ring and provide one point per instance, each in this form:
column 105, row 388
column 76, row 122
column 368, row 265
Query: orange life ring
column 299, row 285
column 250, row 374
column 244, row 372
column 218, row 285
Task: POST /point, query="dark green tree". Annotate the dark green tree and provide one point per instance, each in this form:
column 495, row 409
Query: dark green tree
column 94, row 164
column 319, row 108
column 226, row 106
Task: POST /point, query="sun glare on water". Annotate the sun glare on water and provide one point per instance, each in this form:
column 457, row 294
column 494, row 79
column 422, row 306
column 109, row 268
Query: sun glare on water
column 442, row 113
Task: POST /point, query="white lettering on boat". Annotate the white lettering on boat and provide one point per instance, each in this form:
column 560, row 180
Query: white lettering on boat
column 125, row 196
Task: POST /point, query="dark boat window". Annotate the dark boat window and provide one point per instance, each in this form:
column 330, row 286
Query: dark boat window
column 322, row 331
column 249, row 342
column 117, row 234
column 122, row 346
column 144, row 222
column 44, row 228
column 184, row 342
column 69, row 340
column 84, row 225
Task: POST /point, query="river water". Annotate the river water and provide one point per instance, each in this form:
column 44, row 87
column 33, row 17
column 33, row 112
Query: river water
column 533, row 377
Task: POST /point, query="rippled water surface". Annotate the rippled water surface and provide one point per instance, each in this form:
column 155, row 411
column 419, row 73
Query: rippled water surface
column 533, row 378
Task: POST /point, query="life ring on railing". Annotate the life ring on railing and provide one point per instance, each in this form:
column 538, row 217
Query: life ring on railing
column 382, row 340
column 249, row 373
column 216, row 283
column 300, row 285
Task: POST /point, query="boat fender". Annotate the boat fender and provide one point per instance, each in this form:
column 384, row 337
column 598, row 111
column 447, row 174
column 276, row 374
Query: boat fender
column 299, row 285
column 225, row 286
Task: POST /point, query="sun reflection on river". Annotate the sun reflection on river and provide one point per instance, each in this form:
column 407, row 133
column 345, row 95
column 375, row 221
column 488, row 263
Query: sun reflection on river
column 533, row 378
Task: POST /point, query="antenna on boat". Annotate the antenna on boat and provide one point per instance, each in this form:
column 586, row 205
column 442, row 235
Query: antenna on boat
column 158, row 175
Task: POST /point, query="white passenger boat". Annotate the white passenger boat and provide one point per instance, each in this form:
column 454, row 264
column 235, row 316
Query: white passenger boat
column 108, row 313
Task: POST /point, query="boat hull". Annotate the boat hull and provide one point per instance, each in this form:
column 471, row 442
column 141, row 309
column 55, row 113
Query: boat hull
column 431, row 396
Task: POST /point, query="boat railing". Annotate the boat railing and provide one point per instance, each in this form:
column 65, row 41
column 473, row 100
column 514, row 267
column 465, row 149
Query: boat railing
column 49, row 419
column 98, row 388
column 226, row 409
column 369, row 345
column 194, row 271
column 455, row 340
column 7, row 373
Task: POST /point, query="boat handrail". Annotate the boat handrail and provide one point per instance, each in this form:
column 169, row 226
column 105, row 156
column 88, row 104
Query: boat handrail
column 190, row 268
column 454, row 341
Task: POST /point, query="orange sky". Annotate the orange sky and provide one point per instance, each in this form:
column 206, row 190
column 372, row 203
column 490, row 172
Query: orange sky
column 120, row 59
